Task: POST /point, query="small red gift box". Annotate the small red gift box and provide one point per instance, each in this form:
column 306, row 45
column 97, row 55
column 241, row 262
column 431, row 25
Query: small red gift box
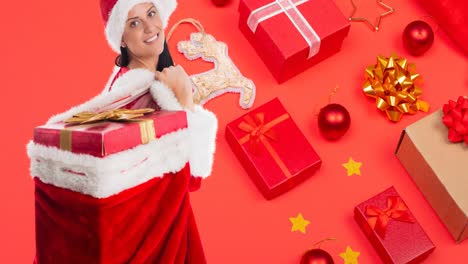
column 292, row 35
column 392, row 229
column 272, row 149
column 104, row 138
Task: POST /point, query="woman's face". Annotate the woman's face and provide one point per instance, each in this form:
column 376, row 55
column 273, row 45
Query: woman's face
column 143, row 34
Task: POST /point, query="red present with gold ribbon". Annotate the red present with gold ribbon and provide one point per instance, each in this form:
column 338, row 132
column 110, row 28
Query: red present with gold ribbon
column 107, row 137
column 292, row 35
column 392, row 229
column 272, row 149
column 438, row 165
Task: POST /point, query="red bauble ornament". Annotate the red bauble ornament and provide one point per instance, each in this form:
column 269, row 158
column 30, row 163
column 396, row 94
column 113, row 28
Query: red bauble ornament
column 418, row 37
column 220, row 2
column 317, row 256
column 333, row 121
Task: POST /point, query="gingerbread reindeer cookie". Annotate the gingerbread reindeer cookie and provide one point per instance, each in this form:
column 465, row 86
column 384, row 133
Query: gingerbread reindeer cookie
column 224, row 77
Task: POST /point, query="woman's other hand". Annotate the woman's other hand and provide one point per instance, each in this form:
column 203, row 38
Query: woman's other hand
column 179, row 82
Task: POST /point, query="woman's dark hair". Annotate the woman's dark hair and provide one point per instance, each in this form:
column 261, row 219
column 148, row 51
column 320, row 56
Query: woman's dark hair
column 165, row 59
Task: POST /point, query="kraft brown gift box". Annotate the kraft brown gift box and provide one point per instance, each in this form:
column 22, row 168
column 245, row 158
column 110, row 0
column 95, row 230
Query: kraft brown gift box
column 440, row 170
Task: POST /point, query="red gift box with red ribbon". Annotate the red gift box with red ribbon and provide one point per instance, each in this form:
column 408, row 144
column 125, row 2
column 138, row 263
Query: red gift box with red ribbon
column 272, row 149
column 392, row 229
column 104, row 138
column 292, row 35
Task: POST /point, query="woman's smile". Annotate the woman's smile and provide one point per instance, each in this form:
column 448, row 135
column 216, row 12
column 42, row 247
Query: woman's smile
column 152, row 39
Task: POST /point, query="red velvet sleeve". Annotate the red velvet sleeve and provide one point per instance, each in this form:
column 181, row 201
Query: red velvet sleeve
column 195, row 183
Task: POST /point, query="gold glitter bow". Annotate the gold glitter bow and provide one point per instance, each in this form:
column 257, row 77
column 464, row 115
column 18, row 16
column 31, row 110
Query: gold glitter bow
column 392, row 82
column 112, row 115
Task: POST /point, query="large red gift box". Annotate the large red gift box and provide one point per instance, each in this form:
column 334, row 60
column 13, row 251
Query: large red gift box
column 292, row 35
column 272, row 149
column 392, row 229
column 104, row 138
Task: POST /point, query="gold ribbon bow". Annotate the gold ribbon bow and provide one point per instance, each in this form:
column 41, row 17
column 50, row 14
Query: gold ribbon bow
column 147, row 130
column 392, row 82
column 112, row 115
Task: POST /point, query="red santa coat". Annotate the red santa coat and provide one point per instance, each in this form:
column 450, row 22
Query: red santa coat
column 129, row 207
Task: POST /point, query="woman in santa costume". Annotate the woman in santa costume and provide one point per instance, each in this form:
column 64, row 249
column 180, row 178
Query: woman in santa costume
column 133, row 206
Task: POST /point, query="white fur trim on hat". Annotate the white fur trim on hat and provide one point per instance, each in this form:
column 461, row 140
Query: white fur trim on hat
column 118, row 16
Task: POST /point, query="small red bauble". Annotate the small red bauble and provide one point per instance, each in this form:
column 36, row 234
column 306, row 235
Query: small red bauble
column 317, row 256
column 418, row 37
column 220, row 2
column 333, row 121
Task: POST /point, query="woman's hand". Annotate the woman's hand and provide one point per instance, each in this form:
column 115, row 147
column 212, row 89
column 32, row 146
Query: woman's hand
column 178, row 81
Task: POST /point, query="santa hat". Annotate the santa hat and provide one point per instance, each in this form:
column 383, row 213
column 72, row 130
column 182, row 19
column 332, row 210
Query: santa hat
column 115, row 14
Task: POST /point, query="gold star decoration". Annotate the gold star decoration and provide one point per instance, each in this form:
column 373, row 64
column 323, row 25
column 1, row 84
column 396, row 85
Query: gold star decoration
column 350, row 256
column 353, row 167
column 375, row 26
column 299, row 223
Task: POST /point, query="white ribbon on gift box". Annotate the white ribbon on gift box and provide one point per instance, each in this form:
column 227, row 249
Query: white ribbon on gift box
column 289, row 7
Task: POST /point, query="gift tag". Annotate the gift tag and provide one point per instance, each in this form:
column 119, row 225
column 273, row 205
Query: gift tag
column 224, row 77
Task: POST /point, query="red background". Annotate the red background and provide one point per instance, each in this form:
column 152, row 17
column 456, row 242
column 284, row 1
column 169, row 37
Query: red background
column 54, row 56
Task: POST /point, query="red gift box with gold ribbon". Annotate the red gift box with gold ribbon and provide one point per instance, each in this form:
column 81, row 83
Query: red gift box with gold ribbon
column 104, row 138
column 392, row 229
column 272, row 149
column 292, row 35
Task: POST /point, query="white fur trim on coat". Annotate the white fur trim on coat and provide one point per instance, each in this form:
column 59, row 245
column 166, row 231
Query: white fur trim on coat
column 202, row 123
column 203, row 127
column 103, row 177
column 164, row 97
column 118, row 16
column 115, row 71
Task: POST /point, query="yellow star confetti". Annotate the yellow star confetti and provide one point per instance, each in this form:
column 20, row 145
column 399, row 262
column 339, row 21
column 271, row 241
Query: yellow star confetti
column 350, row 256
column 353, row 167
column 299, row 223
